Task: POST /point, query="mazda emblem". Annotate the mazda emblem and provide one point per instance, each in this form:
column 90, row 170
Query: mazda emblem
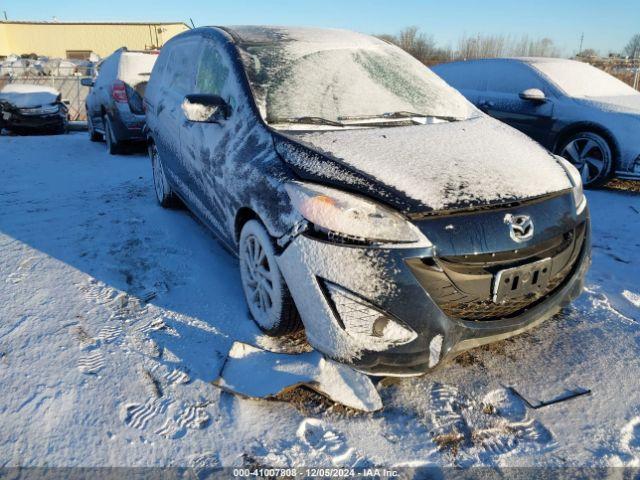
column 520, row 227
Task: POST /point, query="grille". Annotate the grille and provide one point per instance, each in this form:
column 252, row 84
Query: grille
column 467, row 308
column 462, row 286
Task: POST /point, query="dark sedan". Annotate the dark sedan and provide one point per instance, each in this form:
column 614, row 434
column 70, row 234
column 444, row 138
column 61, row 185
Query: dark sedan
column 32, row 109
column 572, row 108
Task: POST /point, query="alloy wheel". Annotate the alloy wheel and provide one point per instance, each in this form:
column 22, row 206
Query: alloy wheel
column 259, row 280
column 266, row 294
column 591, row 155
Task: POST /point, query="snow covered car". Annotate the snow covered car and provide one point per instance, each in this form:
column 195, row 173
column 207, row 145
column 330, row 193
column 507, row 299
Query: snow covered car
column 366, row 199
column 572, row 108
column 114, row 104
column 32, row 109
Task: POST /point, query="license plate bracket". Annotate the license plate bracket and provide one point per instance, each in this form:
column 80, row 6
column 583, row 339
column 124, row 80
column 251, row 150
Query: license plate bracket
column 522, row 281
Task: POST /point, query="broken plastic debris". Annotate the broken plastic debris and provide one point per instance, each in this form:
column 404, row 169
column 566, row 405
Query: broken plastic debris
column 256, row 373
column 536, row 401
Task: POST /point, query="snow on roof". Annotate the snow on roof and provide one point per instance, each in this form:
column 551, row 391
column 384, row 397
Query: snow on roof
column 135, row 67
column 273, row 33
column 28, row 96
column 579, row 79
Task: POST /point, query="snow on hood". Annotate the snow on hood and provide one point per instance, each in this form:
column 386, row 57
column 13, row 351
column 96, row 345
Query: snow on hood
column 29, row 96
column 619, row 104
column 442, row 166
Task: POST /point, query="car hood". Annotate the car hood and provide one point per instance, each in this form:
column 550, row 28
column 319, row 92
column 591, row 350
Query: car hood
column 425, row 168
column 29, row 96
column 629, row 104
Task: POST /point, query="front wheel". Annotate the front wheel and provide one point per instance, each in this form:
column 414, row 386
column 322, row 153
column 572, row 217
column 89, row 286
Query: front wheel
column 265, row 290
column 591, row 155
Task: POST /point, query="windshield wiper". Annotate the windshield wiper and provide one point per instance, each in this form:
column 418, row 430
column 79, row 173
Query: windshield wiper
column 309, row 120
column 400, row 114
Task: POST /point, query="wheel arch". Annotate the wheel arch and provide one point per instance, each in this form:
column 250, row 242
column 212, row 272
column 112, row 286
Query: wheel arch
column 593, row 127
column 243, row 215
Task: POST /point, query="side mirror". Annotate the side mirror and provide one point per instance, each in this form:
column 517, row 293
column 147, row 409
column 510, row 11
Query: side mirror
column 86, row 82
column 533, row 95
column 205, row 108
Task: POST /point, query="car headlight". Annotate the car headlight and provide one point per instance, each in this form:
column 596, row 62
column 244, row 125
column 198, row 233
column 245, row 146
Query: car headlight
column 576, row 180
column 350, row 218
column 40, row 110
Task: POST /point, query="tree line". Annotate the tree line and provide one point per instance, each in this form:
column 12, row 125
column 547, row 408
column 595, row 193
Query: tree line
column 469, row 47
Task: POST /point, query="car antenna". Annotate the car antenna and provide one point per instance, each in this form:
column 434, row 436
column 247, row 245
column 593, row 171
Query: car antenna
column 192, row 24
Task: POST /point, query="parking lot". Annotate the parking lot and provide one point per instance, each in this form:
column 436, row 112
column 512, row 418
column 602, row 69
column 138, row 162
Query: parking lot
column 115, row 316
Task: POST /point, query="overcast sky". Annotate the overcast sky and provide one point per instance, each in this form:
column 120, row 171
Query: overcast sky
column 607, row 25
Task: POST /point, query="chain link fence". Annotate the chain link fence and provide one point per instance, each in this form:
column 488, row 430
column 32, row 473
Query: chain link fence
column 73, row 93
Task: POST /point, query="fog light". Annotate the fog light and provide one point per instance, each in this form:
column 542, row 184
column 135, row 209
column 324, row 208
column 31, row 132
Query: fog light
column 365, row 322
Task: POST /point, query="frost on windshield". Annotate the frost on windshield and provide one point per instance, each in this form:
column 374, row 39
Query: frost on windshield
column 334, row 74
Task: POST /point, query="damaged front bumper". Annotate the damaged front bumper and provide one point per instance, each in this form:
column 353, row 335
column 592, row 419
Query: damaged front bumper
column 437, row 298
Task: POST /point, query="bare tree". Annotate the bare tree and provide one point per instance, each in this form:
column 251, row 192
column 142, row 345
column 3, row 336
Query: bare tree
column 588, row 53
column 632, row 50
column 421, row 46
column 425, row 48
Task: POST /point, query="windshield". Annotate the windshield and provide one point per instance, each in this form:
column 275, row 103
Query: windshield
column 335, row 75
column 582, row 80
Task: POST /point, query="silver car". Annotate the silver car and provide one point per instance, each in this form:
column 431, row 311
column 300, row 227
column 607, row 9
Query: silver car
column 572, row 108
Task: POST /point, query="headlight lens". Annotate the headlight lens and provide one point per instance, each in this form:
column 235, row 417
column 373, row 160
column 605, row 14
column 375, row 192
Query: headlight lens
column 350, row 217
column 40, row 110
column 576, row 180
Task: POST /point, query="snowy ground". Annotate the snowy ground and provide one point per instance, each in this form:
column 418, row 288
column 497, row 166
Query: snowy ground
column 91, row 375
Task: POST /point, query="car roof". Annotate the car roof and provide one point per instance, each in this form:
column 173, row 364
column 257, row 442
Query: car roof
column 266, row 34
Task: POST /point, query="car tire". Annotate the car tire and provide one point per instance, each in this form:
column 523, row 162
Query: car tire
column 164, row 194
column 113, row 146
column 93, row 135
column 592, row 155
column 268, row 298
